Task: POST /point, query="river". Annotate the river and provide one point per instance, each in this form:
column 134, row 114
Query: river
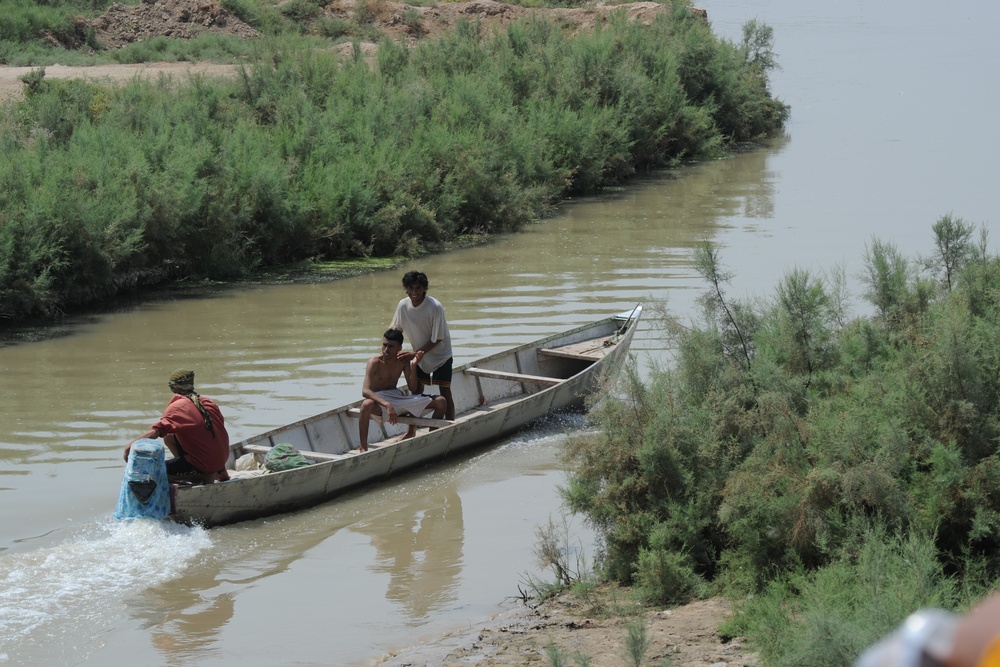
column 892, row 127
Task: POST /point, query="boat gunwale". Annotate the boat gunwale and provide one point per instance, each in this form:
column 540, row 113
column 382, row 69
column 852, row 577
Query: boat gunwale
column 191, row 512
column 505, row 353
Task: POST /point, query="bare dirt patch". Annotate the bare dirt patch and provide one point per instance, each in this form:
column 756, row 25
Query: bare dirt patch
column 12, row 87
column 180, row 19
column 686, row 636
column 410, row 23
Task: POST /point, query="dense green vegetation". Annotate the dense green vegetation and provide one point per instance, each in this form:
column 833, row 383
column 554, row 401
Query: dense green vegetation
column 308, row 156
column 832, row 474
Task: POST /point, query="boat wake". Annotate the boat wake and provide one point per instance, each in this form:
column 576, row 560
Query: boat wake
column 553, row 428
column 532, row 451
column 58, row 602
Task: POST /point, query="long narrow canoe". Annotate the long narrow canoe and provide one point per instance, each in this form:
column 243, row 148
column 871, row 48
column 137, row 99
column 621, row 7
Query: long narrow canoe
column 494, row 396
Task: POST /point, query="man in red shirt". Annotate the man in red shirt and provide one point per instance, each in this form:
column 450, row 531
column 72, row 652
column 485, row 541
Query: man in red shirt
column 193, row 429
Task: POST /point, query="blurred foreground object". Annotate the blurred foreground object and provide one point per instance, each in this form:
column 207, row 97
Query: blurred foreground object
column 936, row 638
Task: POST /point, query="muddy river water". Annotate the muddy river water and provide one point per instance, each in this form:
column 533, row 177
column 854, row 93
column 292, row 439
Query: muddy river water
column 892, row 126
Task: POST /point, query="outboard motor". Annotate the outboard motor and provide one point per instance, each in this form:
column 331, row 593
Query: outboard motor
column 145, row 490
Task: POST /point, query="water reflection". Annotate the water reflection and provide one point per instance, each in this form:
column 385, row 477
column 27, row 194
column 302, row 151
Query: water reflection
column 184, row 617
column 420, row 547
column 309, row 568
column 188, row 617
column 189, row 633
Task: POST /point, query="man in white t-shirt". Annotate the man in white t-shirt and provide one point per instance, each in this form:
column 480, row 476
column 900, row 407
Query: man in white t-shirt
column 421, row 319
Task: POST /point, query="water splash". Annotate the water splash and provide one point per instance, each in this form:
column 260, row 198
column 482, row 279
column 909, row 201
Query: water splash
column 74, row 591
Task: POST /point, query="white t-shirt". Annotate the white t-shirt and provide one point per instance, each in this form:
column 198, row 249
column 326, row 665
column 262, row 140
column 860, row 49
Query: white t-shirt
column 421, row 325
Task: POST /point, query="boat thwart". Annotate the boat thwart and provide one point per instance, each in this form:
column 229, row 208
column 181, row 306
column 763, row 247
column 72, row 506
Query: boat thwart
column 494, row 396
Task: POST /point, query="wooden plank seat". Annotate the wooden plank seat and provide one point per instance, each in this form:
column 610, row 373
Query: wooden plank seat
column 319, row 456
column 405, row 419
column 587, row 350
column 513, row 377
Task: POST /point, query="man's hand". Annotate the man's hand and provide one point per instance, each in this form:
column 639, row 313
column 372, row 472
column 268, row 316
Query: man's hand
column 151, row 433
column 390, row 413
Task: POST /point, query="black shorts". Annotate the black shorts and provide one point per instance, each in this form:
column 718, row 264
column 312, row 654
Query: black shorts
column 181, row 466
column 441, row 377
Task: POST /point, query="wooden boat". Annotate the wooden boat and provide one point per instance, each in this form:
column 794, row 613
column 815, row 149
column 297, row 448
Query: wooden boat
column 494, row 396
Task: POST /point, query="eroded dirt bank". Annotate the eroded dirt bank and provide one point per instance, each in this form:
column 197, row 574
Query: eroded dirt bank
column 686, row 636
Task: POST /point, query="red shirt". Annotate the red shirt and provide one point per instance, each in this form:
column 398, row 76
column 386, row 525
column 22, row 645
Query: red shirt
column 205, row 451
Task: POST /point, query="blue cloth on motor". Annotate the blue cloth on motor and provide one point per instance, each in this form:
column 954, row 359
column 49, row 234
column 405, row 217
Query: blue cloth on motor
column 146, row 467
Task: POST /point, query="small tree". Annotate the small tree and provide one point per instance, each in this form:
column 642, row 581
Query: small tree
column 758, row 47
column 708, row 265
column 952, row 240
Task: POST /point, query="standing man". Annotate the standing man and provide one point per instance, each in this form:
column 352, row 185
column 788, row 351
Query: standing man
column 421, row 319
column 193, row 429
column 384, row 398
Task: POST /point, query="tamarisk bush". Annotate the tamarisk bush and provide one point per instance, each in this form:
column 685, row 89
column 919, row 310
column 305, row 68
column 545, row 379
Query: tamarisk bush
column 788, row 440
column 310, row 156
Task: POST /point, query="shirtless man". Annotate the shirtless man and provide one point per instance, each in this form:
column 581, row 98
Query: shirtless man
column 380, row 392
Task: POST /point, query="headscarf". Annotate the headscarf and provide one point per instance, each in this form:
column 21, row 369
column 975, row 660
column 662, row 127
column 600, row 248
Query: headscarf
column 182, row 382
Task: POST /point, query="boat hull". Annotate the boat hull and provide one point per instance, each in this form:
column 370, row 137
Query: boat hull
column 495, row 396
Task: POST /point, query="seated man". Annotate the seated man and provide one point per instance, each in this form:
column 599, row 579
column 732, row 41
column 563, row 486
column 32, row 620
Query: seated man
column 193, row 429
column 380, row 392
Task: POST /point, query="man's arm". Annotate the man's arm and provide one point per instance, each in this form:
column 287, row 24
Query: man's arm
column 424, row 349
column 366, row 387
column 438, row 326
column 412, row 381
column 151, row 433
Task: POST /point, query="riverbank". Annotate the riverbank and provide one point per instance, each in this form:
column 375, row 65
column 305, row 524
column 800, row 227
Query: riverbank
column 686, row 636
column 399, row 154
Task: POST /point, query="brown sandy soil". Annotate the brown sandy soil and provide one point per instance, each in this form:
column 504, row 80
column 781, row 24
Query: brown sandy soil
column 183, row 19
column 685, row 636
column 410, row 23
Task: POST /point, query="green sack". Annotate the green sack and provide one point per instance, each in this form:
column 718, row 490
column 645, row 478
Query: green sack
column 283, row 457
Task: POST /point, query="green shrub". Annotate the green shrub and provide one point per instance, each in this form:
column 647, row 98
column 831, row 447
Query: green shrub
column 263, row 15
column 307, row 156
column 301, row 11
column 367, row 11
column 22, row 21
column 667, row 577
column 829, row 616
column 789, row 451
column 332, row 27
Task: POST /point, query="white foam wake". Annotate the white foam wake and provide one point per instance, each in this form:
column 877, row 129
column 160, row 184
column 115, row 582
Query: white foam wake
column 68, row 593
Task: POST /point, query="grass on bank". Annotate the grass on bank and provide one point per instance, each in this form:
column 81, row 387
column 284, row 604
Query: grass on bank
column 831, row 474
column 310, row 157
